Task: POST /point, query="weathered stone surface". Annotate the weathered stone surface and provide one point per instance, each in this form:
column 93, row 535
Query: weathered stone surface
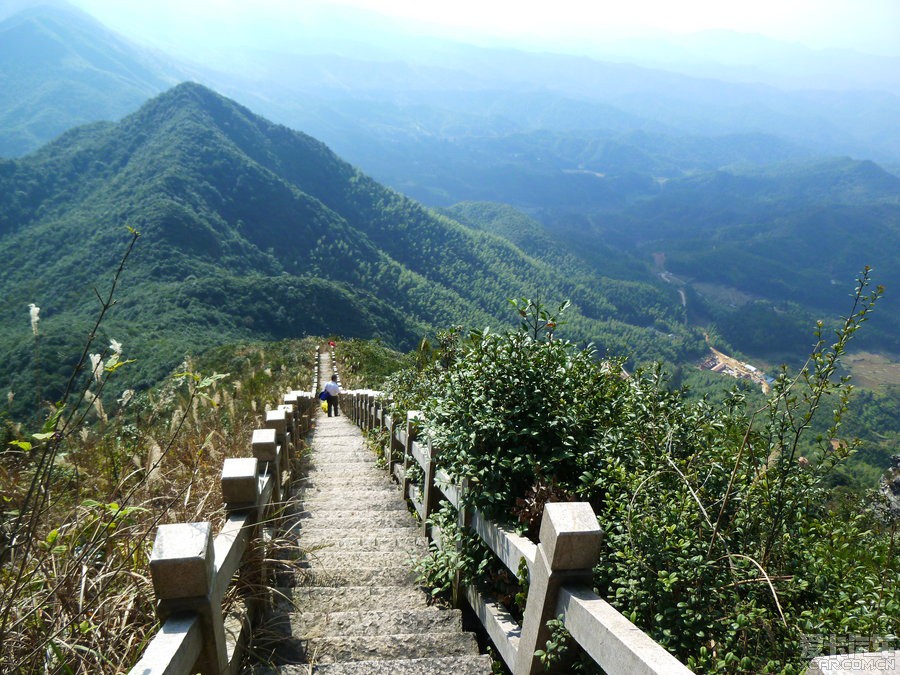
column 358, row 598
column 373, row 503
column 570, row 535
column 412, row 646
column 307, row 625
column 181, row 563
column 362, row 576
column 409, row 542
column 355, row 608
column 448, row 665
column 329, row 558
column 373, row 476
column 264, row 444
column 356, row 495
column 354, row 519
column 240, row 484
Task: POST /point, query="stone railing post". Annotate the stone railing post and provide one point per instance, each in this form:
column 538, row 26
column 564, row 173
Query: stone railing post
column 395, row 445
column 464, row 518
column 182, row 567
column 566, row 554
column 279, row 421
column 431, row 498
column 293, row 428
column 316, row 374
column 290, row 403
column 376, row 412
column 266, row 450
column 411, row 417
column 240, row 483
column 306, row 402
column 240, row 492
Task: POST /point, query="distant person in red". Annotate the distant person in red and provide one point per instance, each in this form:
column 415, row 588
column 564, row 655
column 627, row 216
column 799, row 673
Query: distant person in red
column 332, row 389
column 331, row 344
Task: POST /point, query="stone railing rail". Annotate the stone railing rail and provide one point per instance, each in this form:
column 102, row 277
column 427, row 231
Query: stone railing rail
column 191, row 569
column 559, row 567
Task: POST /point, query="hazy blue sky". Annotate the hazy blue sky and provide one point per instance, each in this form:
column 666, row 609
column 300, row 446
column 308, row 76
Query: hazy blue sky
column 866, row 25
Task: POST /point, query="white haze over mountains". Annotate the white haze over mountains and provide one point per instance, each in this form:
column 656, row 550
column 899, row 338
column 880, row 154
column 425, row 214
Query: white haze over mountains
column 796, row 44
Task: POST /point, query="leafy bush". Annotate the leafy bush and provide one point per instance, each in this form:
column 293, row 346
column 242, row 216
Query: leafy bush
column 722, row 541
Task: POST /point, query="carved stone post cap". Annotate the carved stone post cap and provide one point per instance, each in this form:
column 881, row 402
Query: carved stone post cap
column 240, row 484
column 181, row 564
column 264, row 444
column 570, row 535
column 290, row 398
column 276, row 419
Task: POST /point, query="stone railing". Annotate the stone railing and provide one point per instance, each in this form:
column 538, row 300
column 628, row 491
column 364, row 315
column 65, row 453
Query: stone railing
column 559, row 567
column 192, row 569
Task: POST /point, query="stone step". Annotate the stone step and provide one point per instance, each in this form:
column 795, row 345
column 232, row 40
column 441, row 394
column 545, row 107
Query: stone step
column 338, row 442
column 357, row 482
column 321, row 575
column 337, row 426
column 335, row 557
column 357, row 598
column 445, row 665
column 339, row 490
column 308, row 625
column 374, row 647
column 348, row 476
column 355, row 501
column 319, row 492
column 342, row 476
column 370, row 541
column 339, row 455
column 349, row 470
column 379, row 476
column 354, row 519
column 314, row 535
column 361, row 494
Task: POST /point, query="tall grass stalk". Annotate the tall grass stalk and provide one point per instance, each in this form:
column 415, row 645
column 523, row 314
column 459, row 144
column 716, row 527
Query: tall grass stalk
column 84, row 502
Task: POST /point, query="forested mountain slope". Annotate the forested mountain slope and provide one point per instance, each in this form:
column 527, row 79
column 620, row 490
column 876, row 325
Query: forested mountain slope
column 60, row 68
column 250, row 229
column 767, row 251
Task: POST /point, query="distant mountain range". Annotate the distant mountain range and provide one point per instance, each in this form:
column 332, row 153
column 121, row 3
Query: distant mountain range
column 60, row 68
column 652, row 199
column 251, row 230
column 389, row 110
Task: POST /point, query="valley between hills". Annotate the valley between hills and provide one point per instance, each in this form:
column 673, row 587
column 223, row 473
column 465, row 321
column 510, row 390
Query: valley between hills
column 664, row 231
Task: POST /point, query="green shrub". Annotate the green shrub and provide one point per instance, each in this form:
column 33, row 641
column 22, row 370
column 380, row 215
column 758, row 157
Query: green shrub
column 722, row 541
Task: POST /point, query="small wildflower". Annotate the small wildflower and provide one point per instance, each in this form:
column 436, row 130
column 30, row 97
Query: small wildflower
column 116, row 347
column 10, row 395
column 35, row 317
column 126, row 397
column 97, row 367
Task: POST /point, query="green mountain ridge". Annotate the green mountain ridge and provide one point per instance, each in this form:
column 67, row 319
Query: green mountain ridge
column 251, row 230
column 60, row 68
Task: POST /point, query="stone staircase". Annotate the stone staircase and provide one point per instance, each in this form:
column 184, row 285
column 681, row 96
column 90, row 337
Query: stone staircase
column 355, row 608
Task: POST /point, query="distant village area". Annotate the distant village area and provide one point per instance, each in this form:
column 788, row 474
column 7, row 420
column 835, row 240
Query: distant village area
column 718, row 362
